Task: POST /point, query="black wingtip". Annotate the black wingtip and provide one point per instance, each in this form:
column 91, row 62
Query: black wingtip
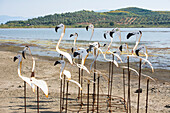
column 87, row 27
column 75, row 54
column 71, row 35
column 56, row 28
column 57, row 62
column 120, row 48
column 111, row 34
column 23, row 54
column 137, row 52
column 105, row 35
column 15, row 58
column 104, row 45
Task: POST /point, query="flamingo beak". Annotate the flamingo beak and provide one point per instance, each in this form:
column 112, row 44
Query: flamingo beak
column 15, row 58
column 57, row 62
column 111, row 34
column 120, row 48
column 104, row 45
column 75, row 54
column 137, row 52
column 71, row 35
column 87, row 28
column 105, row 35
column 56, row 28
column 23, row 54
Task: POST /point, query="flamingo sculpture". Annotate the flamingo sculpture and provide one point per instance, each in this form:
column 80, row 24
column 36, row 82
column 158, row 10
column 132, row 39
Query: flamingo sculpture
column 135, row 50
column 116, row 31
column 143, row 49
column 91, row 26
column 75, row 39
column 67, row 55
column 31, row 81
column 138, row 35
column 84, row 54
column 39, row 83
column 65, row 72
column 125, row 47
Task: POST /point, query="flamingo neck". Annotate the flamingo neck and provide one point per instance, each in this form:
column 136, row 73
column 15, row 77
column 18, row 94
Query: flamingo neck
column 62, row 35
column 19, row 68
column 137, row 42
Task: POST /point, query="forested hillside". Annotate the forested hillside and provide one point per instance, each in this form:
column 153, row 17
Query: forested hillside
column 125, row 17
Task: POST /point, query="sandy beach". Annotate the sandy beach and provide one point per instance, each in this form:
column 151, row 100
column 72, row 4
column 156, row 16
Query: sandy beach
column 11, row 86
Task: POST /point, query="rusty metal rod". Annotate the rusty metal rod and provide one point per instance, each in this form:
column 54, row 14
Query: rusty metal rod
column 109, row 80
column 88, row 85
column 124, row 93
column 25, row 96
column 98, row 93
column 82, row 87
column 63, row 89
column 67, row 96
column 129, row 103
column 139, row 86
column 79, row 77
column 147, row 92
column 94, row 84
column 37, row 99
column 61, row 96
column 61, row 106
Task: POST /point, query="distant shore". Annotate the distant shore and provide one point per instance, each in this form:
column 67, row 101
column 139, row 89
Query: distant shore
column 76, row 26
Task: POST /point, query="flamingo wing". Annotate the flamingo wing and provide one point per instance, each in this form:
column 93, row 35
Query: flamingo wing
column 41, row 84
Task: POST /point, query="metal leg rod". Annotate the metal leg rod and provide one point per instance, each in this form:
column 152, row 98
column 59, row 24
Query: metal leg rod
column 139, row 86
column 37, row 99
column 67, row 96
column 25, row 95
column 147, row 92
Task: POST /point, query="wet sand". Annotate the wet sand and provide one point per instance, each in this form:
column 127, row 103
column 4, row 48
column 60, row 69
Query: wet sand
column 11, row 86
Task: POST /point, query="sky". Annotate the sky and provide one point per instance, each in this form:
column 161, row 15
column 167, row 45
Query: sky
column 35, row 8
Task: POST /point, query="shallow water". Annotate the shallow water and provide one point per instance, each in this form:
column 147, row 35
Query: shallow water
column 43, row 41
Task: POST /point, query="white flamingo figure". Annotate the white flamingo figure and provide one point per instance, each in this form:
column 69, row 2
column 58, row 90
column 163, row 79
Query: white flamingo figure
column 125, row 47
column 65, row 72
column 75, row 39
column 118, row 33
column 67, row 55
column 31, row 81
column 91, row 26
column 138, row 35
column 84, row 54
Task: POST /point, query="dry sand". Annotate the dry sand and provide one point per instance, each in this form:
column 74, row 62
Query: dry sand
column 11, row 86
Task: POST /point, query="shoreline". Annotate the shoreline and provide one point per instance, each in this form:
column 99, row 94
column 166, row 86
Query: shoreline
column 164, row 77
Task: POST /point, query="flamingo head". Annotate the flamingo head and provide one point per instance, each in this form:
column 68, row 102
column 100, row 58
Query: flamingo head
column 60, row 26
column 75, row 34
column 91, row 26
column 59, row 62
column 18, row 57
column 24, row 50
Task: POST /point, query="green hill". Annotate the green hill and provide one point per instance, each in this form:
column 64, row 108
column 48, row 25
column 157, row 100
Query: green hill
column 125, row 17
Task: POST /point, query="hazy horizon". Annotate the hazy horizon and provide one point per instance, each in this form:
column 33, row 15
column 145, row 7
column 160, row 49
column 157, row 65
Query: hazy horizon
column 37, row 8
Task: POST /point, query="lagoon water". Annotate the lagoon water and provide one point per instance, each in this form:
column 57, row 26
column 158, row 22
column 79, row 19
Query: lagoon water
column 44, row 40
